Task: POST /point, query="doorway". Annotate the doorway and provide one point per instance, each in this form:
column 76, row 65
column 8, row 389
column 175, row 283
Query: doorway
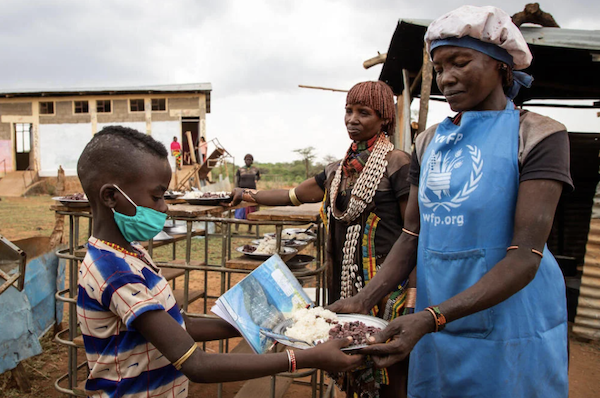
column 22, row 145
column 189, row 124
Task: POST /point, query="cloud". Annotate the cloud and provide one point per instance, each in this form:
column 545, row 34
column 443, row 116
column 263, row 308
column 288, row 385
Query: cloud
column 255, row 53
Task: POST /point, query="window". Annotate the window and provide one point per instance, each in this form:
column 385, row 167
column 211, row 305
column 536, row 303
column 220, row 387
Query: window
column 82, row 107
column 136, row 105
column 46, row 108
column 103, row 106
column 159, row 104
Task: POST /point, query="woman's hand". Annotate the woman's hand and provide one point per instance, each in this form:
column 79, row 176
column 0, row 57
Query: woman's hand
column 403, row 333
column 351, row 305
column 236, row 194
column 328, row 356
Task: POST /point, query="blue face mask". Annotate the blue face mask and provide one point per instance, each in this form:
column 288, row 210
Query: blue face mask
column 145, row 225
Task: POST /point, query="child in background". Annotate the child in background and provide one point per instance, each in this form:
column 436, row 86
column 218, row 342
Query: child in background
column 137, row 342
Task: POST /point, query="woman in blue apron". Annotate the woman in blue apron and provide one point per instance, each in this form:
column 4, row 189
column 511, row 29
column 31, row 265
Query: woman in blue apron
column 491, row 316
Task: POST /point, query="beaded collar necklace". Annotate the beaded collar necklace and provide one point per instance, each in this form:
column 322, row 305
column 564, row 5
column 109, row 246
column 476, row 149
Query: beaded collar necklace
column 120, row 249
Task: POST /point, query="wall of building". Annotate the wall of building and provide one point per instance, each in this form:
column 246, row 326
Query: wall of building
column 16, row 108
column 59, row 138
column 6, row 156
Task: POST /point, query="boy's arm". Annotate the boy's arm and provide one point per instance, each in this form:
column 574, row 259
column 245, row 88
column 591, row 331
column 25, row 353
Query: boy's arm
column 160, row 329
column 207, row 329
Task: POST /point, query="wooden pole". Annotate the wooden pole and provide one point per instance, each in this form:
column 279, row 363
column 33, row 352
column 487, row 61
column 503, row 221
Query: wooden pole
column 427, row 79
column 188, row 134
column 407, row 139
column 322, row 88
column 397, row 138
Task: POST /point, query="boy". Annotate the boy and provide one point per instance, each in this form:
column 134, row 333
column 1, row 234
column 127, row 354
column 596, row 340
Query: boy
column 136, row 341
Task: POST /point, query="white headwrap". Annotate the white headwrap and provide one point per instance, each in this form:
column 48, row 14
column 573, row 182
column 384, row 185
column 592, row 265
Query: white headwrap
column 487, row 24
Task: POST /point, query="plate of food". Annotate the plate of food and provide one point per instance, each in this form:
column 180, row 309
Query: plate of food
column 261, row 253
column 298, row 234
column 206, row 198
column 310, row 326
column 288, row 243
column 169, row 194
column 74, row 200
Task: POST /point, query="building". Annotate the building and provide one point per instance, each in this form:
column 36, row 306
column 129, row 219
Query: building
column 41, row 130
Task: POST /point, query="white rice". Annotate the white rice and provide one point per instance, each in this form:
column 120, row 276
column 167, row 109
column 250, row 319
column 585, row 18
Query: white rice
column 310, row 324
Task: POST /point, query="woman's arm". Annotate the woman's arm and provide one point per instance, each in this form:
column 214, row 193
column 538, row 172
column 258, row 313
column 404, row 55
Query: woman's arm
column 236, row 180
column 307, row 192
column 536, row 205
column 160, row 329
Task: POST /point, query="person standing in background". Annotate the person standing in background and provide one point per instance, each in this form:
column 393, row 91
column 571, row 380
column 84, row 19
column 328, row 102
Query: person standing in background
column 203, row 149
column 176, row 152
column 246, row 177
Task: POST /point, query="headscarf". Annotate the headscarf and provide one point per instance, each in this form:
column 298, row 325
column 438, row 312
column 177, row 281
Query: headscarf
column 488, row 30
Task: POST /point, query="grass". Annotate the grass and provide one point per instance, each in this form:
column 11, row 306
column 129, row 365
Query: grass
column 26, row 217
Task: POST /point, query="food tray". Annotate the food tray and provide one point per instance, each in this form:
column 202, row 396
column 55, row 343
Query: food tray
column 366, row 319
column 287, row 243
column 72, row 202
column 261, row 256
column 299, row 261
column 207, row 201
column 173, row 195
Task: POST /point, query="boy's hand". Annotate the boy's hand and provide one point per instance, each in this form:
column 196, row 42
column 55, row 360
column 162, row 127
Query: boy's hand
column 329, row 357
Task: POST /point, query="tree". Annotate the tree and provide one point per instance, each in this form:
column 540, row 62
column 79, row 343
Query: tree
column 327, row 159
column 307, row 154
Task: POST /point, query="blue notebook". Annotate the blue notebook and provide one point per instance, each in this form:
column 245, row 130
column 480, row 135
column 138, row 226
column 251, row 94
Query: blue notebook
column 263, row 299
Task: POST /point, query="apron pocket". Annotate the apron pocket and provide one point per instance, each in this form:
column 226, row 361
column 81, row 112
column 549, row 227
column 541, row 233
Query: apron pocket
column 446, row 275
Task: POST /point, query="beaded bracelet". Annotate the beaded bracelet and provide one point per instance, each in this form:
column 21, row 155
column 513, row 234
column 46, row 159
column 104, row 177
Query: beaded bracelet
column 291, row 361
column 439, row 318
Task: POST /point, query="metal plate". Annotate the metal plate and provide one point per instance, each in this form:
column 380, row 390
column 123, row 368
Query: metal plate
column 173, row 195
column 299, row 261
column 366, row 319
column 288, row 243
column 162, row 235
column 262, row 256
column 206, row 201
column 72, row 202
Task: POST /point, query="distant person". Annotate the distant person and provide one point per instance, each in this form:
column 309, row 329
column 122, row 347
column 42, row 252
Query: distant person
column 176, row 152
column 137, row 343
column 246, row 177
column 203, row 149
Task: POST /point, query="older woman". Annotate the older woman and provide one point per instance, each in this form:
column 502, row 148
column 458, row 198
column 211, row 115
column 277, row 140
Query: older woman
column 485, row 185
column 365, row 198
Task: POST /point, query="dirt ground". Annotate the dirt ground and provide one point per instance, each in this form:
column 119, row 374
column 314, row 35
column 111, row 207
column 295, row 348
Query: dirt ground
column 24, row 217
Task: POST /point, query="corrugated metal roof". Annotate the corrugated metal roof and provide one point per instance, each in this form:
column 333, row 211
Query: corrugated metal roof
column 205, row 88
column 566, row 62
column 554, row 37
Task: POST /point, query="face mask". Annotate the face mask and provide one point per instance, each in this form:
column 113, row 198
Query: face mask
column 145, row 225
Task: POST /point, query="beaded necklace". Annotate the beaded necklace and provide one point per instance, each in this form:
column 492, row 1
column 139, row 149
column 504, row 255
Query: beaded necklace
column 362, row 194
column 120, row 249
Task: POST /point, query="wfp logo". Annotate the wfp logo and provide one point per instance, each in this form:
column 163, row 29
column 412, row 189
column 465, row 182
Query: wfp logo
column 438, row 175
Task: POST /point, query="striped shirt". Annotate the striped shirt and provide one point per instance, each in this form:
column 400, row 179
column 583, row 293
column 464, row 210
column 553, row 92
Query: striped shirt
column 115, row 288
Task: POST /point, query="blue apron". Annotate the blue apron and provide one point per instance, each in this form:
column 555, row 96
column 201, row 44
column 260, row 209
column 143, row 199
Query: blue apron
column 467, row 199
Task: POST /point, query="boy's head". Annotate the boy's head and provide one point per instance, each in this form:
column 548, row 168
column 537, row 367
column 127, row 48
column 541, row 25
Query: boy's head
column 133, row 161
